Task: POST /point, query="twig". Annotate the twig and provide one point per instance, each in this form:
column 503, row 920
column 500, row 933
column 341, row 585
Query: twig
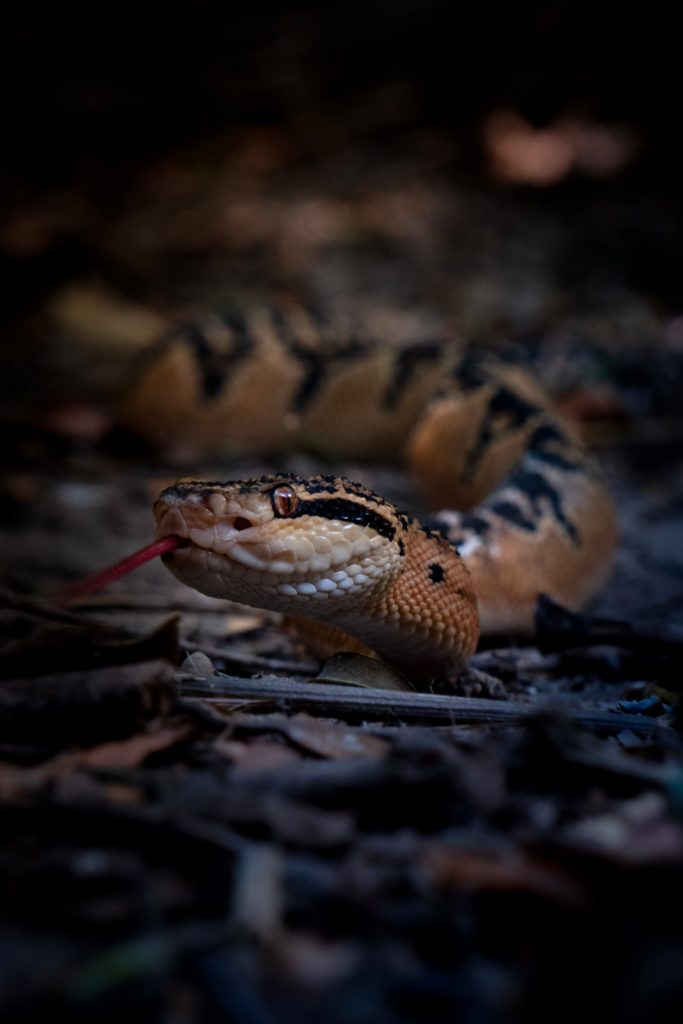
column 349, row 702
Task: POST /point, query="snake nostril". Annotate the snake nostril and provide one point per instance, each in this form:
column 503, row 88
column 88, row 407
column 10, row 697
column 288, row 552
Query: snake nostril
column 241, row 523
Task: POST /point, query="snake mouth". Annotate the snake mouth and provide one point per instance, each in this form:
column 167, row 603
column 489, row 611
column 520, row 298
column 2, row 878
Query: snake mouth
column 234, row 539
column 246, row 542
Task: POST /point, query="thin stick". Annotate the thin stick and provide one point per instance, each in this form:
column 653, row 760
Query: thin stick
column 334, row 701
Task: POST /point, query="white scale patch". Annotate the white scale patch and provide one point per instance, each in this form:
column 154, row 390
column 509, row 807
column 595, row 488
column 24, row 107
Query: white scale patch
column 468, row 547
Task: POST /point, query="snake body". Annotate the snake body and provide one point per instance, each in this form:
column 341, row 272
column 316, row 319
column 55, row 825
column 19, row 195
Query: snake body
column 533, row 514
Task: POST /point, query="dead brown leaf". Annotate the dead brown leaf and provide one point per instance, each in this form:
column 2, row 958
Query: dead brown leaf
column 350, row 669
column 37, row 642
column 85, row 706
column 457, row 868
column 256, row 756
column 331, row 740
column 122, row 755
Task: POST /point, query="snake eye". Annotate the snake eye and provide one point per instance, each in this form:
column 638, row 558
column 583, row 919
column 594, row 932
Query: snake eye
column 284, row 501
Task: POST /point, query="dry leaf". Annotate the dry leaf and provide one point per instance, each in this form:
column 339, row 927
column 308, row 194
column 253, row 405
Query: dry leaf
column 350, row 669
column 123, row 755
column 336, row 742
column 456, row 868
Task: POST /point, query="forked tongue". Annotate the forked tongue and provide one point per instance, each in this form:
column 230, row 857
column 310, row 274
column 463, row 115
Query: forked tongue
column 100, row 580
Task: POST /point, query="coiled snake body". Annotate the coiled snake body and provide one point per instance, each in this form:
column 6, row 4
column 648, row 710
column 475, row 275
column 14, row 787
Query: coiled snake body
column 478, row 434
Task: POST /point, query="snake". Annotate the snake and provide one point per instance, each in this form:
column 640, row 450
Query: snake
column 520, row 506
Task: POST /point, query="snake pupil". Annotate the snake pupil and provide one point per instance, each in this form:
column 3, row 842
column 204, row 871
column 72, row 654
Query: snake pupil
column 284, row 501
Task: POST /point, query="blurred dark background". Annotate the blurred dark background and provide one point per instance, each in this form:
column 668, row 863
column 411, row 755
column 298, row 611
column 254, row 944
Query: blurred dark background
column 510, row 171
column 111, row 109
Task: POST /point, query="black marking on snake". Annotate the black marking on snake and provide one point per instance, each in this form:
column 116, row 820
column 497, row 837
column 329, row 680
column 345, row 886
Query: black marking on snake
column 435, row 528
column 361, row 491
column 437, row 573
column 321, row 486
column 541, row 438
column 216, row 360
column 317, row 367
column 536, row 489
column 347, row 511
column 333, row 484
column 470, row 373
column 315, row 362
column 476, row 524
column 406, row 363
column 401, row 547
column 287, row 317
column 504, row 402
column 513, row 514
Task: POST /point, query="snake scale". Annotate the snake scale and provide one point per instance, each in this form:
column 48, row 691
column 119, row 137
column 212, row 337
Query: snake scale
column 523, row 507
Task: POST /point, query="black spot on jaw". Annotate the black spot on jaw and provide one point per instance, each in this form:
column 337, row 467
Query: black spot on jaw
column 437, row 572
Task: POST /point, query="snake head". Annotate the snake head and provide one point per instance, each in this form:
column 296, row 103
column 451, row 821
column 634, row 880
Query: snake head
column 281, row 542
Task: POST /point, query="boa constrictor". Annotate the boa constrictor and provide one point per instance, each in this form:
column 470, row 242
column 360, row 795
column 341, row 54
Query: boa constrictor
column 533, row 515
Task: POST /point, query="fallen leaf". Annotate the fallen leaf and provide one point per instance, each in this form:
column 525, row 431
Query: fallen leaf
column 456, row 868
column 50, row 644
column 256, row 756
column 123, row 755
column 350, row 669
column 333, row 741
column 85, row 706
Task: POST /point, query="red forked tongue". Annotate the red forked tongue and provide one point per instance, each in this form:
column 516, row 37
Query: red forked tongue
column 101, row 579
